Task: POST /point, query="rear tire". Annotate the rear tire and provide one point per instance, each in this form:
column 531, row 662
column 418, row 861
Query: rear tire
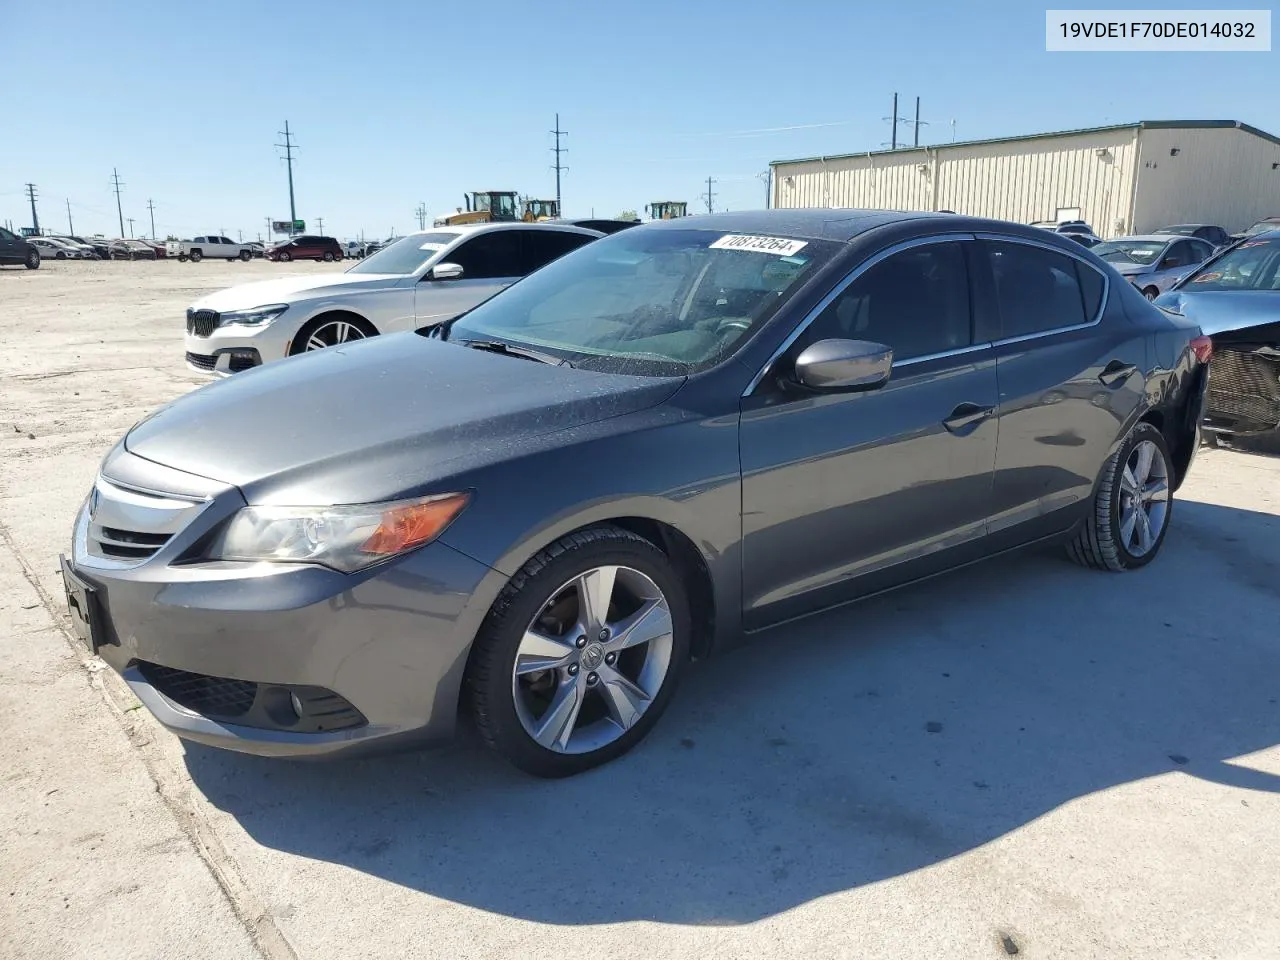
column 196, row 256
column 1108, row 540
column 625, row 684
column 1150, row 293
column 328, row 257
column 33, row 260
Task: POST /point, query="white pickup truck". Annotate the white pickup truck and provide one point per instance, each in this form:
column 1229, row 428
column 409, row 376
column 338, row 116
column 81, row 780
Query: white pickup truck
column 212, row 246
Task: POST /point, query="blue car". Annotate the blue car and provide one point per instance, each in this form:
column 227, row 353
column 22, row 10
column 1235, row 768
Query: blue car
column 1154, row 262
column 1235, row 299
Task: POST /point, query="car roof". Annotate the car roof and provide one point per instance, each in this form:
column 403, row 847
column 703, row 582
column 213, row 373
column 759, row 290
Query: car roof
column 466, row 229
column 1149, row 237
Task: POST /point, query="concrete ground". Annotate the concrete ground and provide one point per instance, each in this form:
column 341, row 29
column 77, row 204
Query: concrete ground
column 1021, row 758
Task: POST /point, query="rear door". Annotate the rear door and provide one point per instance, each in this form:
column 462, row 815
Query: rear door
column 1068, row 377
column 490, row 261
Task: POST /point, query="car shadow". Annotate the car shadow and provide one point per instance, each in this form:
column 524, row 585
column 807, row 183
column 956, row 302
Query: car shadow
column 851, row 747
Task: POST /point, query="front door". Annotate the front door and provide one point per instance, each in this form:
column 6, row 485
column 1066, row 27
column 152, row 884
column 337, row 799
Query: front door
column 10, row 249
column 843, row 493
column 490, row 261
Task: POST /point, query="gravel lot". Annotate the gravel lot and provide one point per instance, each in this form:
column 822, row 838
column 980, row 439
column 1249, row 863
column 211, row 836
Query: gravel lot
column 1021, row 758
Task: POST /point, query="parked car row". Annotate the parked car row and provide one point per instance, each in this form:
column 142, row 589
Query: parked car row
column 342, row 550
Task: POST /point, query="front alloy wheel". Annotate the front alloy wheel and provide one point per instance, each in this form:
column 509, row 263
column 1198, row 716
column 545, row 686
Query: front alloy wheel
column 581, row 653
column 332, row 333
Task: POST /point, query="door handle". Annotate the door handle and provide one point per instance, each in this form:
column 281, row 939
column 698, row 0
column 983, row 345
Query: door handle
column 965, row 416
column 1116, row 372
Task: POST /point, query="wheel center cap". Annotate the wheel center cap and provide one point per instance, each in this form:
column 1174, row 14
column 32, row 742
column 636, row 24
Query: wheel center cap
column 592, row 655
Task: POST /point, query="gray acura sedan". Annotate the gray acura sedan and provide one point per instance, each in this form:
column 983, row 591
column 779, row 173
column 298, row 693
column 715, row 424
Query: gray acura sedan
column 666, row 441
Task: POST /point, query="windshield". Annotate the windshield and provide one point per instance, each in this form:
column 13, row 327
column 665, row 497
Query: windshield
column 1131, row 251
column 1254, row 265
column 1185, row 230
column 649, row 302
column 406, row 255
column 1262, row 226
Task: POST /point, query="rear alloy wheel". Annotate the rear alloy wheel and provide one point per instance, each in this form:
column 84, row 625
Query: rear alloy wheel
column 1132, row 506
column 196, row 256
column 33, row 259
column 580, row 654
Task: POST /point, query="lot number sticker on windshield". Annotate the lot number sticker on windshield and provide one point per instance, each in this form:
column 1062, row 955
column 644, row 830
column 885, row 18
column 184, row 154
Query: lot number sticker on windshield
column 780, row 246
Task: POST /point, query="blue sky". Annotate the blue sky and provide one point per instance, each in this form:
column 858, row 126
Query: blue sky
column 395, row 103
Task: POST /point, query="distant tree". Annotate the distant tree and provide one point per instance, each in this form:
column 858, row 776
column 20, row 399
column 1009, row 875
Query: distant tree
column 628, row 215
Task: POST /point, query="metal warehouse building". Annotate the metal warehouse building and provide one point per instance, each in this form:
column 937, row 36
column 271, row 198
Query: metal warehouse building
column 1128, row 178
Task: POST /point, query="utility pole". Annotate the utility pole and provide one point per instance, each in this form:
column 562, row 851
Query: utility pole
column 70, row 229
column 320, row 224
column 35, row 220
column 289, row 146
column 239, row 236
column 709, row 196
column 767, row 178
column 151, row 208
column 268, row 229
column 421, row 214
column 953, row 131
column 895, row 123
column 130, row 219
column 916, row 142
column 116, row 184
column 559, row 168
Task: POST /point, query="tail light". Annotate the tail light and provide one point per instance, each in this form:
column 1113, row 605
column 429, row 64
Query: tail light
column 1202, row 347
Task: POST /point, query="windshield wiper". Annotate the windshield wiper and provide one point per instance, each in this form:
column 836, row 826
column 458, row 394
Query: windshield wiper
column 511, row 350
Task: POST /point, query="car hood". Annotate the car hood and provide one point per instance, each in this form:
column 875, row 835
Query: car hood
column 1129, row 269
column 1223, row 311
column 290, row 289
column 377, row 419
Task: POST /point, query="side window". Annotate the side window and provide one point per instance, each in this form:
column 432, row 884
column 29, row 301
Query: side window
column 1037, row 290
column 916, row 302
column 198, row 240
column 1200, row 251
column 1178, row 255
column 489, row 255
column 1092, row 286
column 543, row 246
column 225, row 239
column 6, row 236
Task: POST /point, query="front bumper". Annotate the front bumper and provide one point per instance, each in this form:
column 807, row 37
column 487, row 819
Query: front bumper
column 388, row 645
column 235, row 347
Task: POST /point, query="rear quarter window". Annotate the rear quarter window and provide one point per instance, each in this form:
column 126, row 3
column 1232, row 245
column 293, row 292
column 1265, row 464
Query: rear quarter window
column 1092, row 287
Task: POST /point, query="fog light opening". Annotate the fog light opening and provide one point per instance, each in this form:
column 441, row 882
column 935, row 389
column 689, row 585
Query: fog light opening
column 282, row 706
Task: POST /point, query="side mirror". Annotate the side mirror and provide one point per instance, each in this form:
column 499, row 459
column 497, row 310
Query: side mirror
column 446, row 271
column 844, row 365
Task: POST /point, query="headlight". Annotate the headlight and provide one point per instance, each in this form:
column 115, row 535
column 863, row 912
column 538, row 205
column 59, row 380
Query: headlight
column 255, row 316
column 346, row 538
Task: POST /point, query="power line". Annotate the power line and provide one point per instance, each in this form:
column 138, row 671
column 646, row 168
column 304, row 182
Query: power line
column 421, row 214
column 558, row 167
column 151, row 208
column 709, row 196
column 116, row 184
column 35, row 220
column 289, row 146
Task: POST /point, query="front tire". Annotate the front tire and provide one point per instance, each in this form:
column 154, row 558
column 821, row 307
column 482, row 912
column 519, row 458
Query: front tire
column 1151, row 293
column 1132, row 506
column 196, row 256
column 182, row 258
column 245, row 256
column 580, row 654
column 285, row 256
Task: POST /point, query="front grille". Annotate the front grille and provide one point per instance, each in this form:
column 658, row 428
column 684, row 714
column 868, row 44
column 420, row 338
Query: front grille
column 213, row 697
column 127, row 524
column 202, row 360
column 264, row 706
column 1244, row 386
column 202, row 323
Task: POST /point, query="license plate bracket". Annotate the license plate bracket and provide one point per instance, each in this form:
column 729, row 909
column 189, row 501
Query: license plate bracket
column 82, row 604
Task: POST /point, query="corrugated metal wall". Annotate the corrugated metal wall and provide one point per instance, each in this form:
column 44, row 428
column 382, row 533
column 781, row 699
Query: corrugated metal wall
column 1013, row 180
column 1220, row 175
